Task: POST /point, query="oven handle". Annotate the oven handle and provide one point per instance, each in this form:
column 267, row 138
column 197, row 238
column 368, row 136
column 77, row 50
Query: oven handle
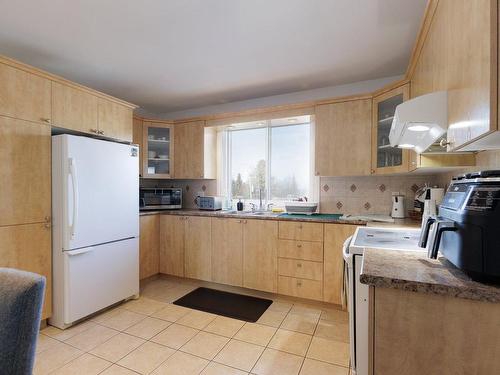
column 345, row 271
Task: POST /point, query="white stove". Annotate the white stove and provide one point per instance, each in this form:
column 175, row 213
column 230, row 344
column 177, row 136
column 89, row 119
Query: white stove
column 357, row 293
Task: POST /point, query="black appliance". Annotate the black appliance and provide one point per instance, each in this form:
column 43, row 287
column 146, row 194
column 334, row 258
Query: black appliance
column 467, row 230
column 160, row 198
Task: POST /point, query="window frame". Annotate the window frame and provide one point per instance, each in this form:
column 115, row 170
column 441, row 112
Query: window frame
column 226, row 186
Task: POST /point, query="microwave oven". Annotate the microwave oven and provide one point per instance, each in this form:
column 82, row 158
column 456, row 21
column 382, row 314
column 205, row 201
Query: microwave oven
column 160, row 198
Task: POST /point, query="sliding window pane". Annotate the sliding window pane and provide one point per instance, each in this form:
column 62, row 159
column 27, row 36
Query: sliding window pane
column 248, row 163
column 290, row 159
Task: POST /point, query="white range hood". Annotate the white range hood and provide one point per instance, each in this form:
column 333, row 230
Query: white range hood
column 420, row 122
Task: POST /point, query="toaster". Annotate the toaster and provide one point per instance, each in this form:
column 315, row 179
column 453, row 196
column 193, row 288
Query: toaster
column 209, row 203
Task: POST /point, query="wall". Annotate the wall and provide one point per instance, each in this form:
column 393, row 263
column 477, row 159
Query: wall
column 369, row 194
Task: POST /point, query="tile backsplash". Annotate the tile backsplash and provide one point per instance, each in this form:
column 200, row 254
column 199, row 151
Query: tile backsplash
column 369, row 194
column 190, row 188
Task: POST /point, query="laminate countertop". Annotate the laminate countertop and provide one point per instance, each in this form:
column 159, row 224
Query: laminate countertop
column 413, row 271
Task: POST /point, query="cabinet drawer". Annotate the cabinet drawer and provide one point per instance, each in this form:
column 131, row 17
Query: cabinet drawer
column 302, row 288
column 289, row 230
column 306, row 250
column 303, row 269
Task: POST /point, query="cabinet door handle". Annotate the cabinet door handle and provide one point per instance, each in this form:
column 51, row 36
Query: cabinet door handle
column 300, row 226
column 101, row 132
column 93, row 131
column 299, row 265
column 46, row 120
column 299, row 245
column 299, row 283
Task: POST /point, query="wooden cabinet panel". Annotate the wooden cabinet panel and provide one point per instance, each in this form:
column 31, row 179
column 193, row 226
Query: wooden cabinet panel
column 462, row 63
column 172, row 245
column 422, row 333
column 29, row 248
column 227, row 251
column 24, row 95
column 306, row 250
column 197, row 248
column 302, row 269
column 149, row 246
column 290, row 230
column 302, row 288
column 115, row 120
column 260, row 255
column 137, row 139
column 25, row 172
column 335, row 235
column 343, row 138
column 74, row 109
column 189, row 141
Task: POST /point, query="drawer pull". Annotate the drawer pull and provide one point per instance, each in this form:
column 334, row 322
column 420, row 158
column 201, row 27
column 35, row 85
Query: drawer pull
column 299, row 283
column 299, row 265
column 299, row 245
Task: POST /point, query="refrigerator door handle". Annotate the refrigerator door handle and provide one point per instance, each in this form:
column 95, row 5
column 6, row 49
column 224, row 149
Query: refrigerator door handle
column 80, row 251
column 74, row 179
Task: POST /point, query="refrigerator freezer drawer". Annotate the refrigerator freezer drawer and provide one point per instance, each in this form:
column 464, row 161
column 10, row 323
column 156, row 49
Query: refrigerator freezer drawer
column 99, row 276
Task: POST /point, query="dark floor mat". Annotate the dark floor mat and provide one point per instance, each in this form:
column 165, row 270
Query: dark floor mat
column 232, row 305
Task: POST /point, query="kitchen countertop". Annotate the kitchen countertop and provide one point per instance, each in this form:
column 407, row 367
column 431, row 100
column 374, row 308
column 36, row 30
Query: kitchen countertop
column 413, row 271
column 316, row 218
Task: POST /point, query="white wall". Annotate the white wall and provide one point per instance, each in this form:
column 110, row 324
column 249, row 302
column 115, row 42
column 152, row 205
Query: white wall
column 269, row 101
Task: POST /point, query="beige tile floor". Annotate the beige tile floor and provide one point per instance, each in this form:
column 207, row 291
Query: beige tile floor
column 152, row 336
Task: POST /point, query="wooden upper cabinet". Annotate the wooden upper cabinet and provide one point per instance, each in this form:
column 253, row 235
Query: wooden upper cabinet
column 24, row 95
column 335, row 235
column 343, row 138
column 387, row 159
column 115, row 120
column 227, row 251
column 194, row 155
column 260, row 255
column 157, row 149
column 197, row 248
column 137, row 138
column 25, row 172
column 74, row 109
column 29, row 248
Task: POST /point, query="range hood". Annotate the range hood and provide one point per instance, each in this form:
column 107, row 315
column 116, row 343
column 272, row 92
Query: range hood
column 420, row 122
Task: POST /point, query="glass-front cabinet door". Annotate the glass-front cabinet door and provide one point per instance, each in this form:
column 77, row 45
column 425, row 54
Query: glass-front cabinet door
column 387, row 159
column 157, row 150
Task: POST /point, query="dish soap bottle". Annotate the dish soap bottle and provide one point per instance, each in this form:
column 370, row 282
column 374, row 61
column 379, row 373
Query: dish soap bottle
column 239, row 205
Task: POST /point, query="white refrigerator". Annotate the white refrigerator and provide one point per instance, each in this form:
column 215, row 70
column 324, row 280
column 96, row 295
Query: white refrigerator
column 95, row 235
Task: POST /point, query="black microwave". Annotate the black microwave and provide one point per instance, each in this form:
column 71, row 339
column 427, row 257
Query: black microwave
column 160, row 198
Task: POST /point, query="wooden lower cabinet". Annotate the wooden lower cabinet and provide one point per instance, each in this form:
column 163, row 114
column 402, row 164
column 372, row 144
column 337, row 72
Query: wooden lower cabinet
column 197, row 248
column 25, row 172
column 227, row 251
column 302, row 288
column 260, row 255
column 293, row 230
column 335, row 235
column 115, row 120
column 28, row 247
column 149, row 246
column 422, row 333
column 172, row 245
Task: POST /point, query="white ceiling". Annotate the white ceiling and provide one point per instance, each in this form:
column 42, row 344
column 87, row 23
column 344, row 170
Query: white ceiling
column 171, row 55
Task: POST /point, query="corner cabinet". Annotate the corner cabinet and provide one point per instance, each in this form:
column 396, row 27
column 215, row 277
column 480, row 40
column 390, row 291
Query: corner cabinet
column 157, row 150
column 387, row 159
